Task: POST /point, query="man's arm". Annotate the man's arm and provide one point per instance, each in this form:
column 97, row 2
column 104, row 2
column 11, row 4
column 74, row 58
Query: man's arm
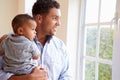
column 3, row 75
column 22, row 77
column 66, row 71
column 37, row 74
column 1, row 39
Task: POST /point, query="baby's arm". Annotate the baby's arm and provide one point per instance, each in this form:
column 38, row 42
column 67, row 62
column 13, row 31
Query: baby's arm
column 35, row 51
column 36, row 57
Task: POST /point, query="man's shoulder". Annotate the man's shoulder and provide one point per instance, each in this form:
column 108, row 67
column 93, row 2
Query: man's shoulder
column 57, row 41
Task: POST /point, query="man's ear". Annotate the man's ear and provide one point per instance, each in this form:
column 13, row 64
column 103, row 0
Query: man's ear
column 20, row 30
column 38, row 18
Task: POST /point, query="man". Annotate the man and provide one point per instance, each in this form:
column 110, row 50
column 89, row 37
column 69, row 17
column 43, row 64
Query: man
column 54, row 57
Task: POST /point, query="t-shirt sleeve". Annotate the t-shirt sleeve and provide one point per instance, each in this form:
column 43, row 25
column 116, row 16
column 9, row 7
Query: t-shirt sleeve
column 35, row 50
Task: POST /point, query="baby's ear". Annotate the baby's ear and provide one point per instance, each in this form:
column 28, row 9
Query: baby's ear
column 20, row 30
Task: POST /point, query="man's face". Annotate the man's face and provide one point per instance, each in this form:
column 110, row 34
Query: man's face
column 50, row 22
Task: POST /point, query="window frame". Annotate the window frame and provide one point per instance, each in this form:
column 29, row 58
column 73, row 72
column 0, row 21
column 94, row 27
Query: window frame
column 81, row 42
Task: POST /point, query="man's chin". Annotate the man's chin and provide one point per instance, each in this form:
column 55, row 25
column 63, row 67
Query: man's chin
column 53, row 34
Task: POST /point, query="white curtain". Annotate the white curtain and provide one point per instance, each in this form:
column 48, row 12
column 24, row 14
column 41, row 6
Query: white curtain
column 116, row 45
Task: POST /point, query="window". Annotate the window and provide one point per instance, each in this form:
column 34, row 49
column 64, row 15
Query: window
column 97, row 37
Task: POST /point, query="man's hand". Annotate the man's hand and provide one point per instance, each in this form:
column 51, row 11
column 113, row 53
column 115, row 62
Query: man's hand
column 37, row 74
column 3, row 37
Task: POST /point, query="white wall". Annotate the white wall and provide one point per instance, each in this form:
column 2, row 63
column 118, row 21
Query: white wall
column 8, row 9
column 25, row 6
column 62, row 30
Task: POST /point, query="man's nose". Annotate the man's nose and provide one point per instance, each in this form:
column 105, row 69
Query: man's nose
column 58, row 23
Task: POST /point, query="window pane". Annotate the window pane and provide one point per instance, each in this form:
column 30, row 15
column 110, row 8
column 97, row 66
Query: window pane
column 91, row 35
column 105, row 72
column 89, row 70
column 107, row 10
column 106, row 42
column 92, row 11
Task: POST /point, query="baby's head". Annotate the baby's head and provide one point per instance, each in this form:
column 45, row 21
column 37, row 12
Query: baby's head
column 24, row 25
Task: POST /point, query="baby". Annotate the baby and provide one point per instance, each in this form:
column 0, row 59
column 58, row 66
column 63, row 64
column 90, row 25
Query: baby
column 20, row 51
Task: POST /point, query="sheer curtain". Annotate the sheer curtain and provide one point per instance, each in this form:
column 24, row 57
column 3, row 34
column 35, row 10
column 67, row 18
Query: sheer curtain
column 116, row 48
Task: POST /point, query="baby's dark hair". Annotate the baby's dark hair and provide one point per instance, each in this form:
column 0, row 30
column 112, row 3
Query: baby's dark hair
column 19, row 20
column 43, row 6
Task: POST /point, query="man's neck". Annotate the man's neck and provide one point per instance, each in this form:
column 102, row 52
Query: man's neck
column 42, row 39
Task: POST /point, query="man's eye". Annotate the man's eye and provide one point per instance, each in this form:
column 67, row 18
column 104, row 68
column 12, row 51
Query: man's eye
column 54, row 18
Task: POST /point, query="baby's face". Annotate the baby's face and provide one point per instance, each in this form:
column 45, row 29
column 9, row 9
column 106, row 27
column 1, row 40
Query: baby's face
column 29, row 29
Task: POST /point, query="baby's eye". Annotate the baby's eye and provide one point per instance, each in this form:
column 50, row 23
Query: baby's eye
column 33, row 28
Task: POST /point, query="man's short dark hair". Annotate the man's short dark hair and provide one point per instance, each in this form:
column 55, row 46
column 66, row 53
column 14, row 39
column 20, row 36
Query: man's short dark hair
column 43, row 6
